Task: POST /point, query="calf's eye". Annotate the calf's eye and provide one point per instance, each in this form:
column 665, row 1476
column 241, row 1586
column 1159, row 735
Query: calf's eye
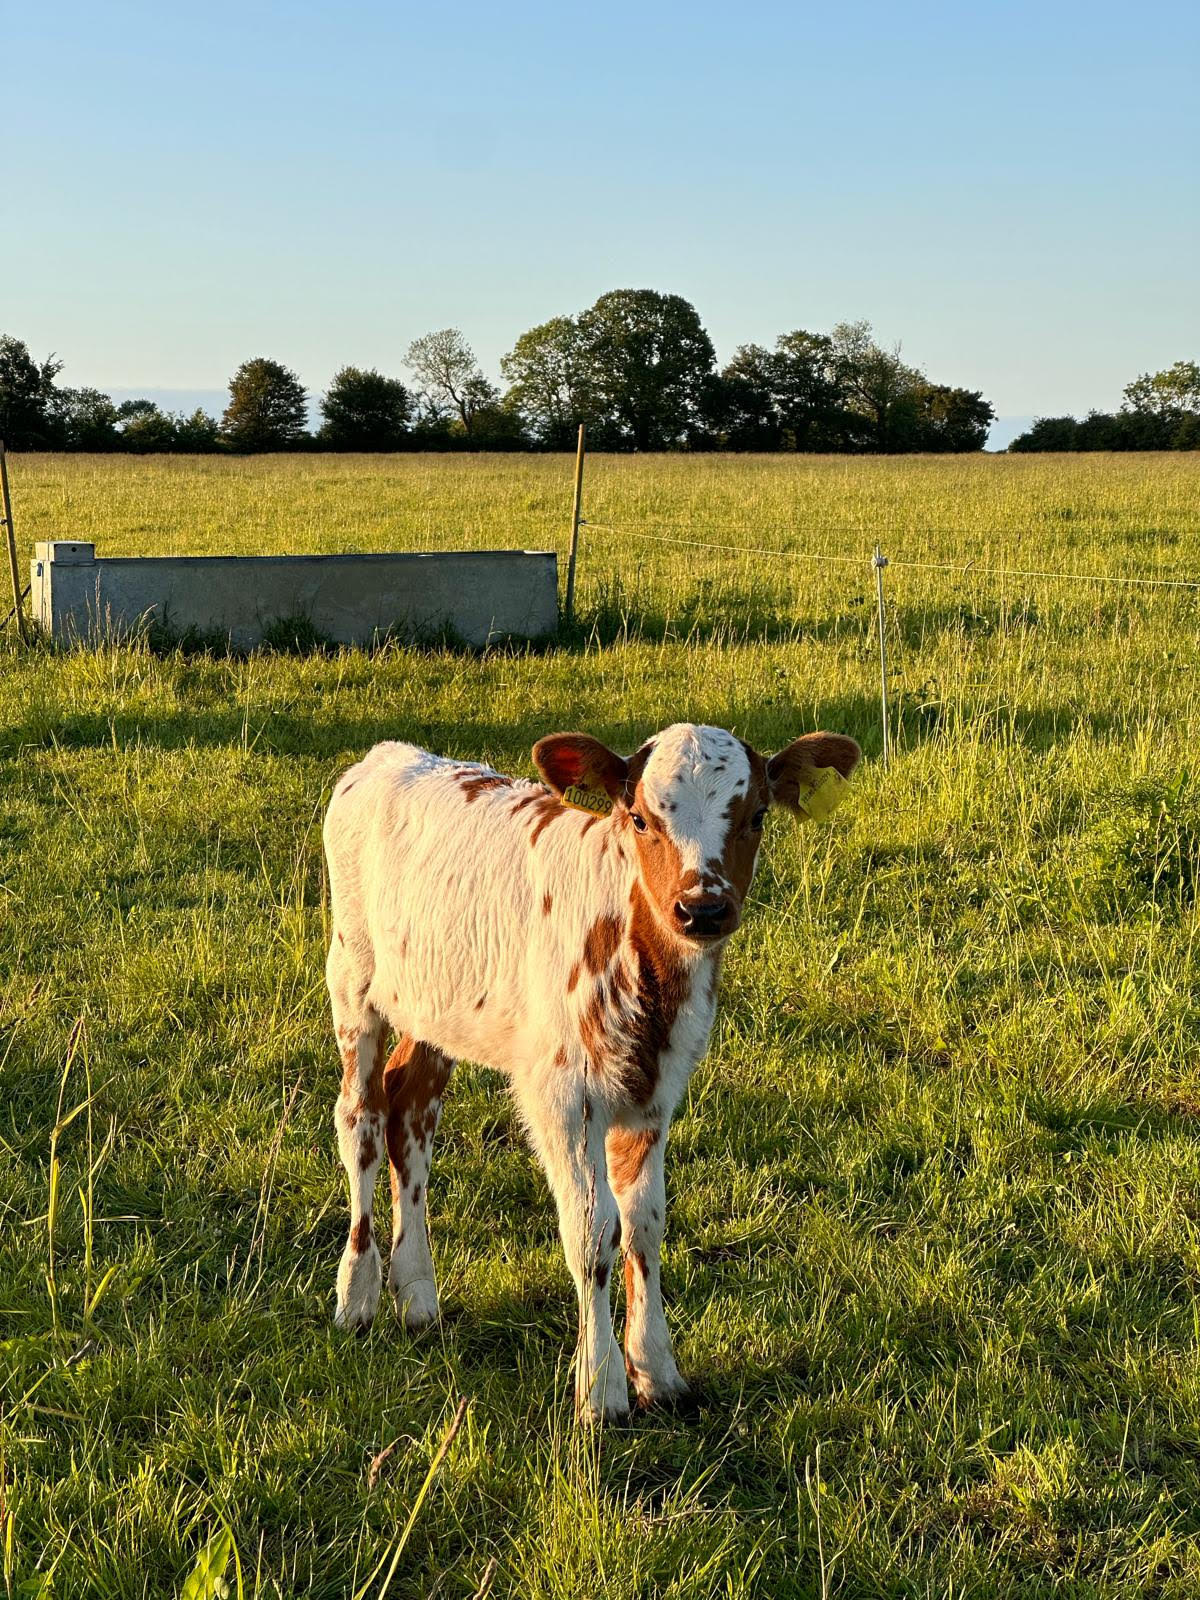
column 757, row 820
column 639, row 821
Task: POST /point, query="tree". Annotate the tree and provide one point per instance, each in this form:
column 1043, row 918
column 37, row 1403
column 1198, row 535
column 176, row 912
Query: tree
column 198, row 434
column 27, row 398
column 1174, row 392
column 648, row 366
column 952, row 419
column 145, row 430
column 782, row 399
column 363, row 410
column 743, row 406
column 547, row 378
column 85, row 419
column 1048, row 433
column 808, row 392
column 268, row 408
column 880, row 390
column 450, row 379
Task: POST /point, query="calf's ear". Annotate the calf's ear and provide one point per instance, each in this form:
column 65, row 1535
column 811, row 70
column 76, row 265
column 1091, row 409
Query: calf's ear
column 576, row 759
column 796, row 764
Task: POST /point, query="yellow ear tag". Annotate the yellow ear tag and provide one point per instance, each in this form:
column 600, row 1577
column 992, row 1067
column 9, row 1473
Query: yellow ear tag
column 821, row 794
column 593, row 800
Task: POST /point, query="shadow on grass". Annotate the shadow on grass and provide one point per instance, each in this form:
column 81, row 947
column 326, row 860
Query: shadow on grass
column 284, row 732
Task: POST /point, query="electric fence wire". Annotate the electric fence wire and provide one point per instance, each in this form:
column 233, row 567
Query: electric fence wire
column 970, row 569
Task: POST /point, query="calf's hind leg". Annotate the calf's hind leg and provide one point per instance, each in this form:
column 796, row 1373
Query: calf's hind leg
column 414, row 1081
column 360, row 1121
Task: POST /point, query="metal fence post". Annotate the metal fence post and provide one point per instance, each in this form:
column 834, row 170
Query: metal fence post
column 879, row 561
column 569, row 607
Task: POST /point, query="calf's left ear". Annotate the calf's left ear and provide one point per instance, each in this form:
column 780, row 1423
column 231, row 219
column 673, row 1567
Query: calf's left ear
column 577, row 760
column 798, row 761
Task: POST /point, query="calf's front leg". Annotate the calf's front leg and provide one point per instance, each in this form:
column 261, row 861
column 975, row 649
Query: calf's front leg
column 636, row 1158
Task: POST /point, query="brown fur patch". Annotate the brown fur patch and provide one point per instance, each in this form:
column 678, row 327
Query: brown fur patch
column 573, row 977
column 601, row 943
column 414, row 1082
column 368, row 1154
column 663, row 987
column 635, row 1276
column 591, row 1029
column 473, row 787
column 530, row 799
column 627, row 1152
column 660, row 869
column 547, row 903
column 550, row 811
column 368, row 1096
column 360, row 1239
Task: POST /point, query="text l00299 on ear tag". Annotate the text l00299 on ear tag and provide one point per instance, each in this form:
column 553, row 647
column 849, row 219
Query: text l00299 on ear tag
column 822, row 793
column 593, row 800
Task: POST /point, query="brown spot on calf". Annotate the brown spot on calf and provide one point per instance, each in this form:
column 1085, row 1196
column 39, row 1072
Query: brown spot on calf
column 601, row 943
column 472, row 787
column 627, row 1152
column 414, row 1081
column 663, row 986
column 550, row 811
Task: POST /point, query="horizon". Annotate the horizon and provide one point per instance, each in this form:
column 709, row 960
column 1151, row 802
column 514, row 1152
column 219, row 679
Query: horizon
column 966, row 187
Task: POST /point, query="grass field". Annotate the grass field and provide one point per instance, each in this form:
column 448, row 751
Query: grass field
column 935, row 1194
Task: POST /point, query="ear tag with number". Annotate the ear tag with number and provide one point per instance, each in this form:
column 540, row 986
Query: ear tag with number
column 822, row 793
column 582, row 799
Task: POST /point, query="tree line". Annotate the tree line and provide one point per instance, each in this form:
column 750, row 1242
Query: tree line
column 1161, row 411
column 638, row 367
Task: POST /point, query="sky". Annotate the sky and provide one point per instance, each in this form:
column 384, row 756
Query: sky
column 1008, row 191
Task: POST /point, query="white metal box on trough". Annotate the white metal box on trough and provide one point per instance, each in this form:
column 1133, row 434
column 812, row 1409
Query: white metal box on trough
column 473, row 595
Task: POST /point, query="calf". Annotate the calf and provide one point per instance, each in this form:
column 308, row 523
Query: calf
column 577, row 951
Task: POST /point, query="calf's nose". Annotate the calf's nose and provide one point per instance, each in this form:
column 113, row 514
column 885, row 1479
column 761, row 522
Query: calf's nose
column 704, row 918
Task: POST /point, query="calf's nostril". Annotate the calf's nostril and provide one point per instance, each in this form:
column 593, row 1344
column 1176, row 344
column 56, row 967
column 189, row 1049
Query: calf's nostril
column 701, row 916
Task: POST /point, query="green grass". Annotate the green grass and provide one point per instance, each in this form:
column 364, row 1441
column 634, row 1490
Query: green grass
column 935, row 1194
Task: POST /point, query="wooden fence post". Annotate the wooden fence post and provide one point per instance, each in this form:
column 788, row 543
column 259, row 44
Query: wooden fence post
column 6, row 503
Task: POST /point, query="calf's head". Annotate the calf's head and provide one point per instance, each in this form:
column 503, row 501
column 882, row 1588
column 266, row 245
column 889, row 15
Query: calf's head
column 693, row 801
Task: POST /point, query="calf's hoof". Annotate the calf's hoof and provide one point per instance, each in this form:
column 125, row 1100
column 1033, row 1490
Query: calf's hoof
column 360, row 1277
column 416, row 1304
column 604, row 1416
column 668, row 1392
column 605, row 1399
column 677, row 1402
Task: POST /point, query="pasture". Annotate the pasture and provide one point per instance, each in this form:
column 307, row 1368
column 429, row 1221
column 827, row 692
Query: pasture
column 934, row 1237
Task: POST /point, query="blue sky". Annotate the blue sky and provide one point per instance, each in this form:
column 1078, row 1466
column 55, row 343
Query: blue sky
column 1010, row 190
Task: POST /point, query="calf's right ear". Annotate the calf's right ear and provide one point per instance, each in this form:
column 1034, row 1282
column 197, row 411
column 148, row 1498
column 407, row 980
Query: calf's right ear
column 577, row 760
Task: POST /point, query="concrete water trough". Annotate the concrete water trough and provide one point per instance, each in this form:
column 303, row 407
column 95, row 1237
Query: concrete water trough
column 476, row 596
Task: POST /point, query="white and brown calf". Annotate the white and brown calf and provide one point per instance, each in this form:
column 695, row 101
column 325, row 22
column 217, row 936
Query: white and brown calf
column 478, row 916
